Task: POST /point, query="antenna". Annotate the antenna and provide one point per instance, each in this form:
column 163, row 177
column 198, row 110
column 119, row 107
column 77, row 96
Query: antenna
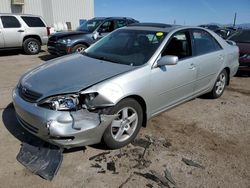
column 235, row 16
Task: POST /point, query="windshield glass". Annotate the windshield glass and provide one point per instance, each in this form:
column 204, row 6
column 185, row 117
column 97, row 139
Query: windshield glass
column 128, row 47
column 241, row 36
column 90, row 25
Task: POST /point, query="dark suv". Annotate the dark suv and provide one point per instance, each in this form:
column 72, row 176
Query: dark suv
column 77, row 41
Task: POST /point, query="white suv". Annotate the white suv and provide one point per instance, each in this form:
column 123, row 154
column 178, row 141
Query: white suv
column 23, row 31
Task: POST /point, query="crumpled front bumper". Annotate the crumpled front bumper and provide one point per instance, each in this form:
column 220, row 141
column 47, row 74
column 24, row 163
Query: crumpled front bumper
column 63, row 128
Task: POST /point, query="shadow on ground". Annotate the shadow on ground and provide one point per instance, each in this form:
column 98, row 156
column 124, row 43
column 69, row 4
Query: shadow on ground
column 47, row 57
column 11, row 52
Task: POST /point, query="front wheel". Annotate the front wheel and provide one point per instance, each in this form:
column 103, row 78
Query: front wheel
column 126, row 126
column 219, row 85
column 79, row 48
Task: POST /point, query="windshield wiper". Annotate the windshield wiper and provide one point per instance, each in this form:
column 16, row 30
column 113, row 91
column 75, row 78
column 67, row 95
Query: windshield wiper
column 102, row 58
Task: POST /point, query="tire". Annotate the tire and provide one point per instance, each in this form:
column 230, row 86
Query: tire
column 126, row 126
column 79, row 48
column 31, row 46
column 219, row 85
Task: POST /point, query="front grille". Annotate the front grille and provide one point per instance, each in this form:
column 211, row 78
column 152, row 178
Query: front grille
column 28, row 95
column 28, row 126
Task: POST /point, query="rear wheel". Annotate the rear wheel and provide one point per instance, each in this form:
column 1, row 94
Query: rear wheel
column 126, row 126
column 31, row 46
column 79, row 48
column 219, row 85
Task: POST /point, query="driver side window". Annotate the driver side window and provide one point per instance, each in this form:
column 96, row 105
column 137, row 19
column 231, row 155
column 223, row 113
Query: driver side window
column 179, row 45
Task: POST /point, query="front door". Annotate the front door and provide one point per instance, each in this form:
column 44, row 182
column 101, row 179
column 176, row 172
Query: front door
column 105, row 28
column 173, row 83
column 12, row 31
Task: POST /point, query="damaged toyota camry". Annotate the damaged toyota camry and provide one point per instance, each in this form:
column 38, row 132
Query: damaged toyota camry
column 108, row 93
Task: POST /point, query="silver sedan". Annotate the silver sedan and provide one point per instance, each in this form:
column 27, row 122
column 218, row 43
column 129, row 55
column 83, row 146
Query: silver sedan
column 109, row 92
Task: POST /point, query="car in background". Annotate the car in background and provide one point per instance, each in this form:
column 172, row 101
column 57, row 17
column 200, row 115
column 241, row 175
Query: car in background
column 62, row 43
column 225, row 32
column 242, row 39
column 210, row 26
column 131, row 75
column 25, row 31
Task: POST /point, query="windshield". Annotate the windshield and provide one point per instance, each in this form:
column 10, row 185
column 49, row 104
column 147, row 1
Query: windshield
column 241, row 36
column 90, row 25
column 128, row 47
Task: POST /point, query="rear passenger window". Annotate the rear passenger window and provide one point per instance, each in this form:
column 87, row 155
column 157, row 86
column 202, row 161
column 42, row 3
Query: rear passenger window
column 10, row 22
column 33, row 21
column 204, row 42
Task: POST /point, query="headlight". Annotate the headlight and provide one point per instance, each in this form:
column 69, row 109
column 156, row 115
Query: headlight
column 64, row 41
column 61, row 103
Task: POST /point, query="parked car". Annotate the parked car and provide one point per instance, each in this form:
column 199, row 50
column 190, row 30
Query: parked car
column 24, row 31
column 242, row 39
column 89, row 32
column 210, row 26
column 120, row 82
column 224, row 32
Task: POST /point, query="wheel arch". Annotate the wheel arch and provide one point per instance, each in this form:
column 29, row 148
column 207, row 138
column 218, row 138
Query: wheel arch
column 142, row 102
column 32, row 36
column 228, row 74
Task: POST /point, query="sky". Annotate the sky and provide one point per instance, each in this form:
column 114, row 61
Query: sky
column 182, row 12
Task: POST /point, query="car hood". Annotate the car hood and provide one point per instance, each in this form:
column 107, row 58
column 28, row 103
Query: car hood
column 70, row 74
column 68, row 34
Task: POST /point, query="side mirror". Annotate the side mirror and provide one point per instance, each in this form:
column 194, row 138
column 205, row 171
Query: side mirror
column 95, row 35
column 167, row 60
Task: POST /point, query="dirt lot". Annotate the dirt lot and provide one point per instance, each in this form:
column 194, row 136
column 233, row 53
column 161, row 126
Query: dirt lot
column 214, row 134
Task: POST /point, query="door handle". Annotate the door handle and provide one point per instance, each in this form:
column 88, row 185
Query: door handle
column 192, row 66
column 20, row 31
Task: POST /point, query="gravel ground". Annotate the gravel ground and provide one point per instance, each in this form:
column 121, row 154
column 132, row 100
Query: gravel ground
column 212, row 136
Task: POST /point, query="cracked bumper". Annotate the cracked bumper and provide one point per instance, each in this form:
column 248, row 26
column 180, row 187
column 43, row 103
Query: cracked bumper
column 62, row 128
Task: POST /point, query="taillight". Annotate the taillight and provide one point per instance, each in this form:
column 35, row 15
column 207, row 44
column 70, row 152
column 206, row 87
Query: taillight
column 48, row 31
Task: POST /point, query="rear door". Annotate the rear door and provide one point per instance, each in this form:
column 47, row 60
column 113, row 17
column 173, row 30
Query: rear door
column 1, row 35
column 12, row 31
column 209, row 58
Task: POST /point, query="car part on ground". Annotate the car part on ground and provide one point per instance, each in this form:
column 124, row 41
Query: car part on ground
column 120, row 82
column 41, row 158
column 62, row 43
column 28, row 32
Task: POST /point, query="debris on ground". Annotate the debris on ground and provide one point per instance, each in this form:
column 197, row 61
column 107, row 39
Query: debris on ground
column 96, row 165
column 169, row 177
column 126, row 181
column 99, row 156
column 102, row 171
column 192, row 163
column 111, row 167
column 154, row 177
column 41, row 158
column 167, row 143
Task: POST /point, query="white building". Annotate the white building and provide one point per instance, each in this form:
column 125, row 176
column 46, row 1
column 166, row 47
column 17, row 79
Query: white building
column 53, row 11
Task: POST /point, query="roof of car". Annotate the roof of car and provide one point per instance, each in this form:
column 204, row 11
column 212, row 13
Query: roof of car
column 11, row 14
column 103, row 18
column 154, row 26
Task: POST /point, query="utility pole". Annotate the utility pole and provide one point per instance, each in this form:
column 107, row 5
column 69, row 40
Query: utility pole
column 235, row 15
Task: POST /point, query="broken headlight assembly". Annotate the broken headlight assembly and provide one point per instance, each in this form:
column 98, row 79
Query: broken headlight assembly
column 69, row 102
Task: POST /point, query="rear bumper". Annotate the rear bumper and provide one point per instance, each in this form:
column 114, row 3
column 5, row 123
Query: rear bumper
column 62, row 128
